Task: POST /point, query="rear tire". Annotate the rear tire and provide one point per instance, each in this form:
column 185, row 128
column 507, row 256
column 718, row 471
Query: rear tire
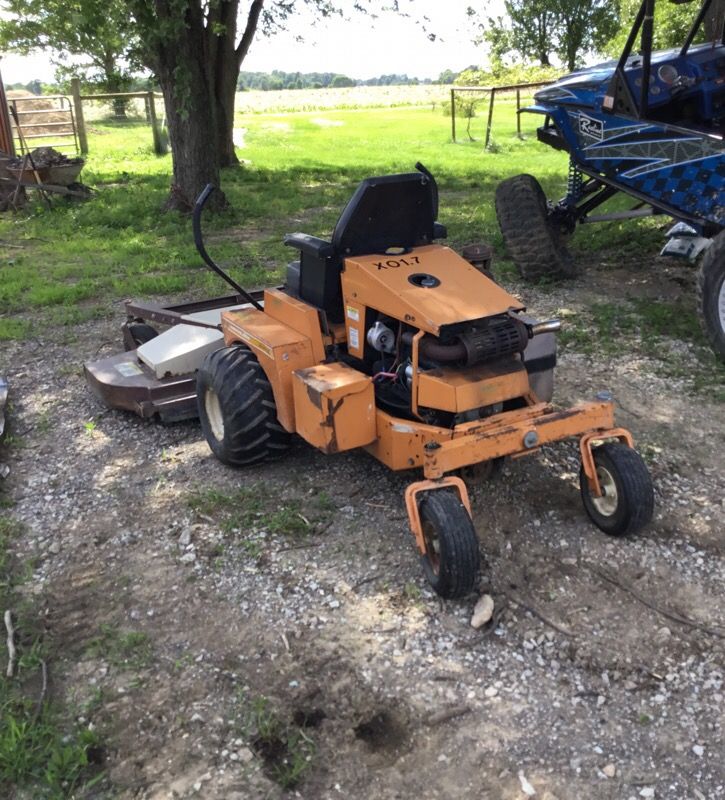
column 452, row 562
column 627, row 502
column 532, row 241
column 711, row 294
column 237, row 410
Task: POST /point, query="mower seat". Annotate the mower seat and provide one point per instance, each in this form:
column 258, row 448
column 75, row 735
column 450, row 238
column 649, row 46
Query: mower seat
column 392, row 211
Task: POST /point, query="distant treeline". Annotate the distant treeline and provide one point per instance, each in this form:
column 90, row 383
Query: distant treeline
column 277, row 79
column 265, row 81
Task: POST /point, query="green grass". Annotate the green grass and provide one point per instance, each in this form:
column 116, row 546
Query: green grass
column 287, row 752
column 251, row 509
column 127, row 650
column 297, row 174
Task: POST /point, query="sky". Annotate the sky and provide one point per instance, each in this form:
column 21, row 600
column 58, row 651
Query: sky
column 358, row 46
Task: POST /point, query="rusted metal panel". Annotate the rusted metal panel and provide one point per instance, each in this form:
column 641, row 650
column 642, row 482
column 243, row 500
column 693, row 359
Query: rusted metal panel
column 303, row 317
column 121, row 381
column 334, row 407
column 518, row 438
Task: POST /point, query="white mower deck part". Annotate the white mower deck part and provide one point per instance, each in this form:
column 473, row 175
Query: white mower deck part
column 181, row 349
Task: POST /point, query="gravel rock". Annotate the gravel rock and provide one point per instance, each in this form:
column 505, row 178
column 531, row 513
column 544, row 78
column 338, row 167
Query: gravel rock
column 483, row 611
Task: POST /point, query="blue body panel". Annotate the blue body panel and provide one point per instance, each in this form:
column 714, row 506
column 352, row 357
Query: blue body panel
column 675, row 159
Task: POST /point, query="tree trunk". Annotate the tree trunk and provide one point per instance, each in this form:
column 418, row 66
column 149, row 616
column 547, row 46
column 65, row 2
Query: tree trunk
column 226, row 91
column 714, row 20
column 191, row 47
column 188, row 89
column 193, row 154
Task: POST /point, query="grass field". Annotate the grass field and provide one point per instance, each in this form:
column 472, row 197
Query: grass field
column 65, row 265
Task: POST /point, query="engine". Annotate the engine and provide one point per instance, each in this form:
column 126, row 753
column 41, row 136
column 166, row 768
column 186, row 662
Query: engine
column 495, row 341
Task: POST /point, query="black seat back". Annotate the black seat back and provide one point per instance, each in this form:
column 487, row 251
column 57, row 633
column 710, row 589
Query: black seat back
column 390, row 211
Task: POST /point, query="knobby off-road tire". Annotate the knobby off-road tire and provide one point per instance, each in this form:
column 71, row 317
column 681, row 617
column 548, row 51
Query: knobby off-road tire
column 711, row 294
column 453, row 559
column 531, row 239
column 627, row 503
column 237, row 410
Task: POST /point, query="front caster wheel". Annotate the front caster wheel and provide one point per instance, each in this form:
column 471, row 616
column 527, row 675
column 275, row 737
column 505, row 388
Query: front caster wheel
column 452, row 558
column 627, row 500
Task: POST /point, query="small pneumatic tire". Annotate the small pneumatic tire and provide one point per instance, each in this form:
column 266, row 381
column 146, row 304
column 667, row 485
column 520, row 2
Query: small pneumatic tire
column 237, row 411
column 627, row 501
column 452, row 561
column 141, row 332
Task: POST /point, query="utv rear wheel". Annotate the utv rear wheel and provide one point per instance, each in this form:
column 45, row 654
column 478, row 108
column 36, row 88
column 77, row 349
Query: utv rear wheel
column 532, row 240
column 236, row 408
column 452, row 560
column 711, row 294
column 627, row 501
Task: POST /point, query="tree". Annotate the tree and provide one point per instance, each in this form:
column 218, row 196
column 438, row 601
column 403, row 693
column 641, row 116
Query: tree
column 95, row 36
column 671, row 23
column 536, row 29
column 583, row 26
column 196, row 49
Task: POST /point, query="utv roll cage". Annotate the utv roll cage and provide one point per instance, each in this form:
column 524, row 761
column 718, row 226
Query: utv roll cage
column 619, row 99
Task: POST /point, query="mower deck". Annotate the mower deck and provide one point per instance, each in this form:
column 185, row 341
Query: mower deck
column 157, row 378
column 123, row 382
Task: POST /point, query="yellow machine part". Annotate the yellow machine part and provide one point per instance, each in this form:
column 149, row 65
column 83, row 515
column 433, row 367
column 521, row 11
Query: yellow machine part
column 280, row 349
column 383, row 282
column 458, row 389
column 334, row 407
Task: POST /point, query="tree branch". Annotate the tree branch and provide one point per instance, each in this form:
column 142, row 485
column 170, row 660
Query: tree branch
column 252, row 20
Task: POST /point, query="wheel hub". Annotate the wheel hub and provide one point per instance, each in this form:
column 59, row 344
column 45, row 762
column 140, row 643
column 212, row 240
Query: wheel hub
column 214, row 414
column 606, row 505
column 432, row 546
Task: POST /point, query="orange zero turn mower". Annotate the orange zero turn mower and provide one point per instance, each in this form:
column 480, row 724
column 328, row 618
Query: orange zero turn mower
column 383, row 339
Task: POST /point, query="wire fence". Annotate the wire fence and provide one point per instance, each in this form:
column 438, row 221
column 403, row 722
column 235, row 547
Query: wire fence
column 459, row 107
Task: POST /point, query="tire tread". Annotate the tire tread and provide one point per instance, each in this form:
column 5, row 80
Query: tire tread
column 252, row 432
column 531, row 241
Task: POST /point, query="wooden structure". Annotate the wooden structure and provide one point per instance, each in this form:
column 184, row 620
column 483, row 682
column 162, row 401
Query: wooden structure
column 6, row 131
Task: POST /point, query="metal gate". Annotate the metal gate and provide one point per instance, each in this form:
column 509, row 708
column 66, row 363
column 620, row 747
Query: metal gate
column 46, row 121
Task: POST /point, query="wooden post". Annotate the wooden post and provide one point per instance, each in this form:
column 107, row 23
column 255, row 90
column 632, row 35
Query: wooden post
column 75, row 87
column 518, row 114
column 155, row 131
column 490, row 118
column 453, row 114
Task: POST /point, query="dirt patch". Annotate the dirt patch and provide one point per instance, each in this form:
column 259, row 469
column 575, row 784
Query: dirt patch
column 181, row 628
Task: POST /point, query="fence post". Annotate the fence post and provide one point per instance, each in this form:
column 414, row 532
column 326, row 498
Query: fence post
column 453, row 114
column 518, row 114
column 75, row 88
column 158, row 149
column 490, row 118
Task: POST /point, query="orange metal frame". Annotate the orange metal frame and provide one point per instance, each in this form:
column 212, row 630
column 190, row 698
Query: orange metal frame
column 586, row 448
column 411, row 502
column 289, row 341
